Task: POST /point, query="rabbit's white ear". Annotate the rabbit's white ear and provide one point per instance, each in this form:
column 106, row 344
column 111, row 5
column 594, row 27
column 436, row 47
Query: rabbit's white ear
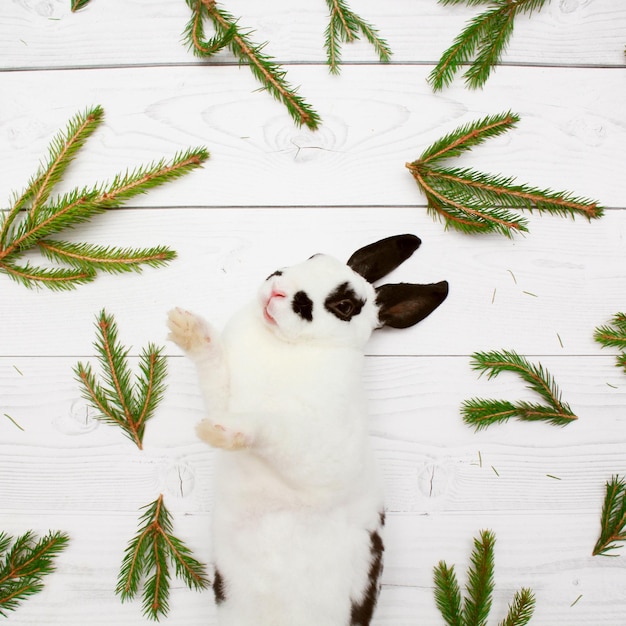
column 378, row 259
column 403, row 305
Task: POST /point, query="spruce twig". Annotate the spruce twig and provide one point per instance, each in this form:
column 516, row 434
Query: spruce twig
column 24, row 563
column 482, row 413
column 481, row 43
column 34, row 217
column 148, row 558
column 521, row 610
column 477, row 603
column 120, row 401
column 344, row 26
column 79, row 4
column 448, row 594
column 613, row 520
column 476, row 606
column 614, row 336
column 228, row 33
column 474, row 202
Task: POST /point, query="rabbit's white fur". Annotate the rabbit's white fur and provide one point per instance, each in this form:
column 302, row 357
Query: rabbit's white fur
column 298, row 510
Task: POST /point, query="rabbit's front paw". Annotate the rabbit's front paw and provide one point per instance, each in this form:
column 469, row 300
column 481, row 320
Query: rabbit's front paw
column 188, row 331
column 220, row 436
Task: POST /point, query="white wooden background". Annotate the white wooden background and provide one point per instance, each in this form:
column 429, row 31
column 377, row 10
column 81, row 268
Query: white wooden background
column 273, row 194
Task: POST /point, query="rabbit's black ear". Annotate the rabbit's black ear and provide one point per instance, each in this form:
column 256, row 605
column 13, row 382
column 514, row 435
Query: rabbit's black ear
column 403, row 305
column 378, row 259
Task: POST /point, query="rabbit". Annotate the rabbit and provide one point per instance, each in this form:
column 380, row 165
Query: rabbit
column 298, row 514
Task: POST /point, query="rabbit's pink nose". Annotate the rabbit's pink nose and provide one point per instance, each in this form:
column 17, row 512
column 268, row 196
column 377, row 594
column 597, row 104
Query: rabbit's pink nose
column 277, row 294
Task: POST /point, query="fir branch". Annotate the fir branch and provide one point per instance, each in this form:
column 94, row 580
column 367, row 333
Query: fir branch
column 481, row 413
column 462, row 49
column 613, row 520
column 344, row 26
column 55, row 279
column 474, row 202
column 33, row 218
column 269, row 73
column 120, row 401
column 479, row 590
column 468, row 136
column 448, row 594
column 147, row 560
column 91, row 257
column 94, row 393
column 79, row 4
column 151, row 382
column 62, row 151
column 614, row 336
column 477, row 603
column 521, row 610
column 24, row 563
column 482, row 42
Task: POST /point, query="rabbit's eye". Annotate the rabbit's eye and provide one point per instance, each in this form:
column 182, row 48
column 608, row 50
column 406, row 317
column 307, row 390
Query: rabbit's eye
column 344, row 308
column 344, row 303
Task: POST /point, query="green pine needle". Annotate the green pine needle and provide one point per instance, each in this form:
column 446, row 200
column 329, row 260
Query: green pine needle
column 229, row 34
column 120, row 401
column 482, row 413
column 474, row 202
column 345, row 26
column 482, row 42
column 148, row 559
column 35, row 217
column 614, row 336
column 613, row 520
column 476, row 605
column 24, row 562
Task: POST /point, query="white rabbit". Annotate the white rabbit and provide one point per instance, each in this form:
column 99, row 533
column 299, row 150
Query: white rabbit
column 298, row 515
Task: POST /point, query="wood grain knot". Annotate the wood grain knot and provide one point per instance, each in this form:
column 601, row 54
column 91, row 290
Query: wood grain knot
column 301, row 145
column 80, row 419
column 570, row 6
column 179, row 479
column 45, row 8
column 433, row 480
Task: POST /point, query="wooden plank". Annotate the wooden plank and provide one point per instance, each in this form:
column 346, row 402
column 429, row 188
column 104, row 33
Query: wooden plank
column 541, row 294
column 553, row 559
column 35, row 34
column 61, row 459
column 375, row 120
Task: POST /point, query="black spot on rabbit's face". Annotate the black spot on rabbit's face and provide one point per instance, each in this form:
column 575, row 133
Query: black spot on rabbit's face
column 344, row 303
column 303, row 306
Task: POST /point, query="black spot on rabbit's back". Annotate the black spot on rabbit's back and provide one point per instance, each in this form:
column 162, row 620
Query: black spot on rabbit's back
column 303, row 306
column 362, row 612
column 344, row 303
column 218, row 588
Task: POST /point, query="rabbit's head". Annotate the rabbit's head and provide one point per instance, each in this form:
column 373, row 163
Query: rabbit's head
column 326, row 301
